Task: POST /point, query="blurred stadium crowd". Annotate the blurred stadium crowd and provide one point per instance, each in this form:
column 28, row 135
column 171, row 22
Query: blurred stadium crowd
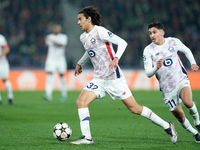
column 25, row 23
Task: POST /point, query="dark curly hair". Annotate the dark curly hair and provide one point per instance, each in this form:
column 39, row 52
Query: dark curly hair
column 156, row 24
column 93, row 12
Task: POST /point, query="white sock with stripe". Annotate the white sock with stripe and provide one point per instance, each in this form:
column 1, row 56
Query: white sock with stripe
column 186, row 125
column 194, row 113
column 84, row 117
column 149, row 114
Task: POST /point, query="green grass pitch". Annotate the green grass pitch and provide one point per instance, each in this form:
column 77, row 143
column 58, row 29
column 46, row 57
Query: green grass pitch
column 28, row 123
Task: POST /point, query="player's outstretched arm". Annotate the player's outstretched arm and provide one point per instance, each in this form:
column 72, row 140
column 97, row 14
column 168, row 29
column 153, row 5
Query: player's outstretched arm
column 194, row 67
column 78, row 69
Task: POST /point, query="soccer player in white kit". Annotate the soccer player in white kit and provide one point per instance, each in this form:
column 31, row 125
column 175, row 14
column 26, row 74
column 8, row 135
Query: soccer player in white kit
column 108, row 77
column 56, row 61
column 161, row 59
column 5, row 68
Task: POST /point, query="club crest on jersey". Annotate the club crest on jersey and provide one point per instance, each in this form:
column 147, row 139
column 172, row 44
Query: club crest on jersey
column 110, row 34
column 171, row 49
column 93, row 40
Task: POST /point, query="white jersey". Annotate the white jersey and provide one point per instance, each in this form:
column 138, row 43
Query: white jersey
column 98, row 46
column 172, row 71
column 56, row 46
column 3, row 43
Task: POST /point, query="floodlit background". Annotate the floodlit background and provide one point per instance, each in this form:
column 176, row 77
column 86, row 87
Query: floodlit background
column 25, row 23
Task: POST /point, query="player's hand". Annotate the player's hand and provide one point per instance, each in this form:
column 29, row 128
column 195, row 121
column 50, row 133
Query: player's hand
column 159, row 63
column 194, row 67
column 113, row 64
column 78, row 69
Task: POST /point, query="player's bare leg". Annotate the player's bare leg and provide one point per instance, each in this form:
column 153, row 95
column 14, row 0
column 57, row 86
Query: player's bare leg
column 85, row 98
column 135, row 108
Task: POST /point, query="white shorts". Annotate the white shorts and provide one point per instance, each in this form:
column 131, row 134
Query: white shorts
column 4, row 71
column 117, row 88
column 172, row 98
column 59, row 66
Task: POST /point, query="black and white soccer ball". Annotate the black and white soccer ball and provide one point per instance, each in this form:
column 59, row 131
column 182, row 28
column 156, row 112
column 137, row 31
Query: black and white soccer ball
column 62, row 131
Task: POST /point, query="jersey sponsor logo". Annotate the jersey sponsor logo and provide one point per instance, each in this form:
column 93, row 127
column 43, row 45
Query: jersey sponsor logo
column 110, row 34
column 167, row 62
column 157, row 54
column 93, row 40
column 91, row 53
column 171, row 49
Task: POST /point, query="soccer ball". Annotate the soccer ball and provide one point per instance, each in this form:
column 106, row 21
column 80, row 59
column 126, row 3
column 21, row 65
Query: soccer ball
column 62, row 131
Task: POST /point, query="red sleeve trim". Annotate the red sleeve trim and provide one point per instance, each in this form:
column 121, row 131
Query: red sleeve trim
column 3, row 46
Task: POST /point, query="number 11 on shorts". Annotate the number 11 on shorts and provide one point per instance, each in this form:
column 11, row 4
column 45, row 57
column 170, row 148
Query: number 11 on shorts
column 171, row 104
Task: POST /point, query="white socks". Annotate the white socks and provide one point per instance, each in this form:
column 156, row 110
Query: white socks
column 194, row 113
column 49, row 85
column 147, row 113
column 63, row 87
column 84, row 117
column 186, row 125
column 9, row 89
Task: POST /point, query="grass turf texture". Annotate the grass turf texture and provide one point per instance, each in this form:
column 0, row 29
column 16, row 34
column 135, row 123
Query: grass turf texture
column 28, row 123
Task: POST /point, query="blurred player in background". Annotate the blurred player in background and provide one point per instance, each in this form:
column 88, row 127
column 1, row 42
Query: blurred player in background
column 108, row 77
column 56, row 61
column 161, row 59
column 4, row 68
